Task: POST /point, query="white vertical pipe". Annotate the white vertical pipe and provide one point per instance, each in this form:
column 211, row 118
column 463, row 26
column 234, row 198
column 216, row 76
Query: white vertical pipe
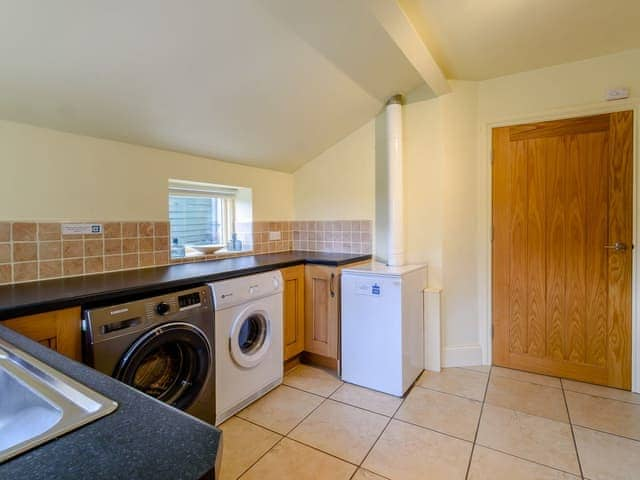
column 395, row 242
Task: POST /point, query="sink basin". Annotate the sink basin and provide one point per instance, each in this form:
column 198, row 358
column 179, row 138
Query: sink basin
column 38, row 403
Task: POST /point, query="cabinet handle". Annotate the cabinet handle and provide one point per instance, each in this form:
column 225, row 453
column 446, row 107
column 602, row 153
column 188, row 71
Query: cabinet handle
column 331, row 289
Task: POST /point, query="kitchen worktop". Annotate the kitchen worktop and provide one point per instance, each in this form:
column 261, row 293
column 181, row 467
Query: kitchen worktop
column 91, row 290
column 143, row 438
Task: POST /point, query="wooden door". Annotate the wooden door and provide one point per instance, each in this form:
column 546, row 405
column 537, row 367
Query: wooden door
column 322, row 310
column 293, row 310
column 58, row 330
column 562, row 199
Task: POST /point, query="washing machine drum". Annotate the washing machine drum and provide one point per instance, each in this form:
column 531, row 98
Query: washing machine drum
column 170, row 362
column 250, row 337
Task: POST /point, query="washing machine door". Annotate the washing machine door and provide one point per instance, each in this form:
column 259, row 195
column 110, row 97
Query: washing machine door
column 250, row 336
column 170, row 362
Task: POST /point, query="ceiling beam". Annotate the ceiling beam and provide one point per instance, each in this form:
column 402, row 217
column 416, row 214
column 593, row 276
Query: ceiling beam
column 396, row 23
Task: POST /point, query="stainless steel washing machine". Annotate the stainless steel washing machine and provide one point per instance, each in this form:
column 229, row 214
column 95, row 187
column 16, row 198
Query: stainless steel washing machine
column 162, row 346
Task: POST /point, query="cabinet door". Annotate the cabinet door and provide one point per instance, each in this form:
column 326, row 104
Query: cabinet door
column 293, row 310
column 58, row 330
column 322, row 310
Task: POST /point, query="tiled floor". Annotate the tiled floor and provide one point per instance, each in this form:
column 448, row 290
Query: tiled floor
column 475, row 423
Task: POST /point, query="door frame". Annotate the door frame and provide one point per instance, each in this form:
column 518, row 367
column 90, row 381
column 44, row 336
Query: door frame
column 485, row 294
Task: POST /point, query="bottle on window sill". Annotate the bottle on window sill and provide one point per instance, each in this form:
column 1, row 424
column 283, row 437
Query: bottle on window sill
column 234, row 245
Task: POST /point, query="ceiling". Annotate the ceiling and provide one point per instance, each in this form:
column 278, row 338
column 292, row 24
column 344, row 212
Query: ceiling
column 480, row 39
column 269, row 83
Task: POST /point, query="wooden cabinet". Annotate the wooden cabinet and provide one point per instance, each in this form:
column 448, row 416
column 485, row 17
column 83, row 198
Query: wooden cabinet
column 322, row 310
column 58, row 330
column 293, row 311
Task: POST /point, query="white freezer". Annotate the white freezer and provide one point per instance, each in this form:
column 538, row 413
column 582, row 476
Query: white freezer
column 382, row 326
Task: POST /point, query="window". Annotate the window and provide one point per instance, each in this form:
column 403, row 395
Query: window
column 200, row 214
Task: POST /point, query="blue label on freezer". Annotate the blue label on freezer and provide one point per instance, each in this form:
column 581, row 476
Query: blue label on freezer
column 375, row 289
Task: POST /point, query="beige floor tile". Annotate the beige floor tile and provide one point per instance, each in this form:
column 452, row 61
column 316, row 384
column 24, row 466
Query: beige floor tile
column 479, row 368
column 363, row 474
column 456, row 381
column 607, row 457
column 313, row 379
column 600, row 391
column 603, row 414
column 527, row 397
column 526, row 376
column 370, row 399
column 445, row 413
column 244, row 443
column 488, row 464
column 290, row 460
column 538, row 439
column 408, row 452
column 281, row 409
column 341, row 430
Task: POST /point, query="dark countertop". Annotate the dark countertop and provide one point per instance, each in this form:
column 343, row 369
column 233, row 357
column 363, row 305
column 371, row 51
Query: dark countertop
column 143, row 438
column 35, row 297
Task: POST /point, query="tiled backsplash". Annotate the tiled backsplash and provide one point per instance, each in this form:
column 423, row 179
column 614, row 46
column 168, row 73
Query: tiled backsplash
column 37, row 251
column 348, row 236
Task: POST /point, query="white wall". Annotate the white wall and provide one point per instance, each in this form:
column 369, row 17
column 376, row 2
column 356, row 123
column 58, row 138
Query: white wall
column 51, row 175
column 447, row 176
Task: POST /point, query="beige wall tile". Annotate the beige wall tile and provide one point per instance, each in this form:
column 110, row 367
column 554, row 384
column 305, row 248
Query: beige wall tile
column 533, row 438
column 146, row 259
column 130, row 229
column 5, row 252
column 93, row 264
column 24, row 272
column 244, row 443
column 112, row 230
column 50, row 269
column 112, row 262
column 24, row 232
column 73, row 267
column 5, row 231
column 605, row 456
column 414, row 453
column 112, row 246
column 445, row 413
column 146, row 244
column 313, row 380
column 281, row 409
column 161, row 258
column 161, row 229
column 160, row 243
column 145, row 229
column 130, row 260
column 342, row 430
column 72, row 248
column 93, row 247
column 289, row 460
column 130, row 245
column 24, row 252
column 488, row 464
column 612, row 416
column 527, row 397
column 368, row 399
column 49, row 231
column 50, row 250
column 5, row 274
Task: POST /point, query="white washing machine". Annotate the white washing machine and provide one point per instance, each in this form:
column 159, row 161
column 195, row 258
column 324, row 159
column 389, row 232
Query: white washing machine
column 248, row 340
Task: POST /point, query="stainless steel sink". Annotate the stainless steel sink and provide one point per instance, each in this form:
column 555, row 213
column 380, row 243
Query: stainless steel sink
column 38, row 403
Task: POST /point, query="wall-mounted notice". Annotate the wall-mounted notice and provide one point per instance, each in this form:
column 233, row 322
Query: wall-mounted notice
column 81, row 228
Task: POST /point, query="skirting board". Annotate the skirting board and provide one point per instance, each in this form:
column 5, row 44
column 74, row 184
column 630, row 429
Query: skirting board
column 462, row 356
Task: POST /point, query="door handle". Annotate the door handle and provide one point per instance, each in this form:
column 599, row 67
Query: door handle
column 331, row 289
column 618, row 247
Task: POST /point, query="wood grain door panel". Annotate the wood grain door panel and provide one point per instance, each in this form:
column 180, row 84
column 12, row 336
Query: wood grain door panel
column 293, row 299
column 563, row 191
column 322, row 310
